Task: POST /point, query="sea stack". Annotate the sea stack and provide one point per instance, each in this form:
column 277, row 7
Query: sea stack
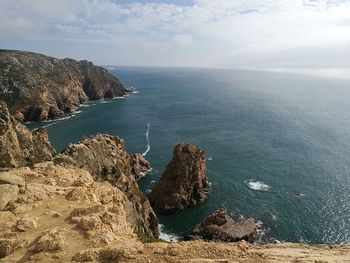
column 184, row 182
column 219, row 226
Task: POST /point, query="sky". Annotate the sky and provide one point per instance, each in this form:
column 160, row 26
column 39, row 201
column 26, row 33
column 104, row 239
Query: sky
column 248, row 34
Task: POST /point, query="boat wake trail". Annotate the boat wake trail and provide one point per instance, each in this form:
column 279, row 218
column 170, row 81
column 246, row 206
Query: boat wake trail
column 148, row 143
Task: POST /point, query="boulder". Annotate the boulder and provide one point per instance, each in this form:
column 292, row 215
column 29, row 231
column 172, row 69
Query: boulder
column 184, row 182
column 219, row 226
column 8, row 193
column 49, row 240
column 26, row 224
column 10, row 178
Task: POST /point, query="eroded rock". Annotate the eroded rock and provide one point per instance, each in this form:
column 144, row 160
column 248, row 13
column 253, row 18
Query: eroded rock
column 6, row 247
column 184, row 182
column 10, row 178
column 139, row 166
column 8, row 193
column 49, row 240
column 26, row 224
column 219, row 226
column 19, row 146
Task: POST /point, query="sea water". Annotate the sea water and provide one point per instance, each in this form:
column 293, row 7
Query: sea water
column 277, row 145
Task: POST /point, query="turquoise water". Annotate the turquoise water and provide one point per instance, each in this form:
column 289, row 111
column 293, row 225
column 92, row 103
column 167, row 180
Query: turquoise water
column 278, row 145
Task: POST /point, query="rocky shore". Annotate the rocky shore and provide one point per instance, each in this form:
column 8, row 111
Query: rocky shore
column 37, row 87
column 84, row 204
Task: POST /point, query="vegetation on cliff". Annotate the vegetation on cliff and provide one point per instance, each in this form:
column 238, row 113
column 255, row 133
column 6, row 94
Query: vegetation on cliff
column 37, row 87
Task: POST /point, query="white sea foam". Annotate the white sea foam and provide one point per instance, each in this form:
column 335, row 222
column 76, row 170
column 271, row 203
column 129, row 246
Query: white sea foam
column 153, row 181
column 135, row 92
column 167, row 236
column 258, row 186
column 210, row 158
column 148, row 142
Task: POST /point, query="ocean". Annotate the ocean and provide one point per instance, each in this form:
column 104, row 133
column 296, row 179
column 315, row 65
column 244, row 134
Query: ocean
column 277, row 144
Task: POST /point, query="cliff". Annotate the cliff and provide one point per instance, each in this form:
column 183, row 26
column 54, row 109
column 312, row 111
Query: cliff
column 19, row 146
column 84, row 205
column 37, row 87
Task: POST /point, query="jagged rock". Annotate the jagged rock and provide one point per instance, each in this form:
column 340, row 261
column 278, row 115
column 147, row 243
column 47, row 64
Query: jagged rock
column 8, row 193
column 139, row 166
column 26, row 224
column 38, row 87
column 6, row 247
column 49, row 240
column 10, row 178
column 18, row 146
column 105, row 157
column 219, row 226
column 184, row 182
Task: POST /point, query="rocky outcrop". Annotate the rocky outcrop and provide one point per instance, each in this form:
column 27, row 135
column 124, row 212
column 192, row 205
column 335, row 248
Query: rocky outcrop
column 58, row 206
column 38, row 87
column 139, row 166
column 105, row 157
column 19, row 146
column 184, row 182
column 219, row 226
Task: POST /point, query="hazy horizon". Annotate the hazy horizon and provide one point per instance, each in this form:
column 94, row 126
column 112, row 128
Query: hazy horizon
column 304, row 36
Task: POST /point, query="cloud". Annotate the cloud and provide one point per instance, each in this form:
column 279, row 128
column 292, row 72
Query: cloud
column 183, row 40
column 240, row 34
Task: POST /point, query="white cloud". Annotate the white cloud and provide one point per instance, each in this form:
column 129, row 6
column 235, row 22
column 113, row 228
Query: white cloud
column 183, row 40
column 249, row 33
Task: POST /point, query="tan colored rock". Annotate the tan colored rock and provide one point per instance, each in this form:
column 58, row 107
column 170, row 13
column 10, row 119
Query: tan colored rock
column 49, row 240
column 6, row 247
column 105, row 157
column 26, row 224
column 18, row 146
column 184, row 182
column 8, row 193
column 10, row 178
column 88, row 223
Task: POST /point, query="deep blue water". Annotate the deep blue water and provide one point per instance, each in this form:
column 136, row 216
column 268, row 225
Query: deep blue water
column 289, row 132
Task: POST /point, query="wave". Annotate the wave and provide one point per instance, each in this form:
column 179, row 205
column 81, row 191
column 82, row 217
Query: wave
column 148, row 142
column 258, row 186
column 135, row 92
column 209, row 158
column 166, row 236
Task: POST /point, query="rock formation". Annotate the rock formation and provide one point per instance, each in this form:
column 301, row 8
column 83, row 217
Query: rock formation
column 50, row 208
column 219, row 226
column 106, row 159
column 38, row 87
column 184, row 182
column 139, row 166
column 19, row 146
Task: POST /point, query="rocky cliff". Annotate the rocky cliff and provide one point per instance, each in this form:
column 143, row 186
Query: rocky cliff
column 106, row 159
column 19, row 146
column 184, row 182
column 84, row 205
column 38, row 87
